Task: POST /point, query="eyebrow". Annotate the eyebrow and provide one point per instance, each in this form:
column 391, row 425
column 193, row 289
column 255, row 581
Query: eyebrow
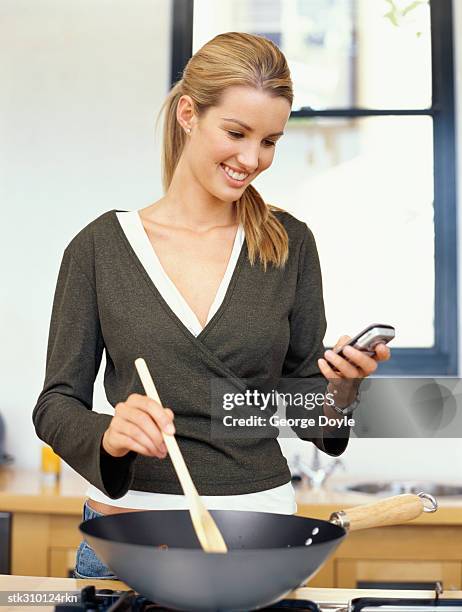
column 247, row 127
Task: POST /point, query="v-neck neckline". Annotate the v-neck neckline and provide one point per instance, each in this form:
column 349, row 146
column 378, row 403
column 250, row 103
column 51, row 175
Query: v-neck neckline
column 232, row 281
column 173, row 287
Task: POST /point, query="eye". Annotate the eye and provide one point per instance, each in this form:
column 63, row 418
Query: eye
column 238, row 135
column 235, row 134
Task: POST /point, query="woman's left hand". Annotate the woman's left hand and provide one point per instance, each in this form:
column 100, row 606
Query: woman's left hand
column 359, row 365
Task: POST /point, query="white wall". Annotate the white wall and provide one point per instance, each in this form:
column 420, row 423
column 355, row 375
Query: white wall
column 81, row 83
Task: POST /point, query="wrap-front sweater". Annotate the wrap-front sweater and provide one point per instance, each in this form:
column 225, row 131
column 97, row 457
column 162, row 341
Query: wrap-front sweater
column 270, row 325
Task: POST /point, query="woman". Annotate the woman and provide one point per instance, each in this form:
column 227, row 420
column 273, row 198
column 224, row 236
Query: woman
column 208, row 282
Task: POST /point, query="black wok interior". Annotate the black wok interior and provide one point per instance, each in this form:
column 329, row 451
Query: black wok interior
column 241, row 530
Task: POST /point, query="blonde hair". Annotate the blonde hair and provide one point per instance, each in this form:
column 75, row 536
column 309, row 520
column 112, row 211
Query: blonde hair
column 232, row 59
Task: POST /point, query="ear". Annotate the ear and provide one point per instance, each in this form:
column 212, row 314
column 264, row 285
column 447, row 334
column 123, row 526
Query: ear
column 185, row 111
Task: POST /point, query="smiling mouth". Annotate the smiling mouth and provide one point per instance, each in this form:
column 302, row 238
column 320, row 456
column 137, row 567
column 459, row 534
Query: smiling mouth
column 235, row 182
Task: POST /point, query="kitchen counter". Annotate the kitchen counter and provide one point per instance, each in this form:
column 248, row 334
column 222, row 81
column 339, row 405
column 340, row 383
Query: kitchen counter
column 45, row 533
column 37, row 583
column 23, row 491
column 321, row 503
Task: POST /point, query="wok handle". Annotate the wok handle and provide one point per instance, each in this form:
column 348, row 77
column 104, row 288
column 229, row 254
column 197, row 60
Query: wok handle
column 390, row 511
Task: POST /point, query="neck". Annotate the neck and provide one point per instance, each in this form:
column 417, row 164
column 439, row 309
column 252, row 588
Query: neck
column 186, row 204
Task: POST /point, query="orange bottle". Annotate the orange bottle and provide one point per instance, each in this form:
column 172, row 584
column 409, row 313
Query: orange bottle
column 51, row 465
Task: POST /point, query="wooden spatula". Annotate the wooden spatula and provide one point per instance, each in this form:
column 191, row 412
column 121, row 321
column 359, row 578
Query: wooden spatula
column 206, row 529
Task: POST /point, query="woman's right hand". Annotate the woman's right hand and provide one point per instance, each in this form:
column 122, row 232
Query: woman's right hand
column 136, row 426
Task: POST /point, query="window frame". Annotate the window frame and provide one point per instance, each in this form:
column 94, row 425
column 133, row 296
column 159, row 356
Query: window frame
column 442, row 358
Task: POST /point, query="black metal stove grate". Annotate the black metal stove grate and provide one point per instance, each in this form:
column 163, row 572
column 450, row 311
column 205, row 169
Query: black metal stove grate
column 107, row 600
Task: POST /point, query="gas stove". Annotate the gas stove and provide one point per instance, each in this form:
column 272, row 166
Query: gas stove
column 107, row 600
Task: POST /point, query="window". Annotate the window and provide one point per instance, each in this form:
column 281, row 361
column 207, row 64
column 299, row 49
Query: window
column 369, row 153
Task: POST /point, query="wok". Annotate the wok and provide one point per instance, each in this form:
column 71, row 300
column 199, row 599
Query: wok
column 158, row 554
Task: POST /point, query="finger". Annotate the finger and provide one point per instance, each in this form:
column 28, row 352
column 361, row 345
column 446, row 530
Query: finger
column 156, row 411
column 341, row 342
column 144, row 421
column 361, row 360
column 326, row 370
column 125, row 441
column 161, row 416
column 131, row 430
column 170, row 413
column 382, row 352
column 347, row 369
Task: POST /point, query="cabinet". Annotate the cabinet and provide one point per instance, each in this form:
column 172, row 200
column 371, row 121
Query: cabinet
column 354, row 573
column 400, row 554
column 44, row 544
column 44, row 533
column 44, row 536
column 5, row 543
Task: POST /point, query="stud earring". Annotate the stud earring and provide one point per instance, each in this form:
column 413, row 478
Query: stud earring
column 188, row 130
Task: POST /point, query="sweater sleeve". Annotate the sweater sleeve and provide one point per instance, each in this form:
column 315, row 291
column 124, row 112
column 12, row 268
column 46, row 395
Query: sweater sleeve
column 307, row 330
column 63, row 415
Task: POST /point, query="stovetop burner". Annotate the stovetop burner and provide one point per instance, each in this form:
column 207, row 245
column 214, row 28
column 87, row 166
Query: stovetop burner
column 107, row 600
column 393, row 604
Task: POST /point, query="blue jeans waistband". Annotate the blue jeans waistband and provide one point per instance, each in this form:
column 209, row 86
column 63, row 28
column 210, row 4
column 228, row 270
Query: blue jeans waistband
column 87, row 564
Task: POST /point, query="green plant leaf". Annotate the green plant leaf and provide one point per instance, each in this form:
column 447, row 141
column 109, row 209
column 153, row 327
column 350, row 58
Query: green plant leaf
column 412, row 6
column 392, row 17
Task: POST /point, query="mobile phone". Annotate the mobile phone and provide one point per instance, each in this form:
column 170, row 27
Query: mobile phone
column 368, row 338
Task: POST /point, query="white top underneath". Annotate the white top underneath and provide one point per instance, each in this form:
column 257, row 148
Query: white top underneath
column 279, row 499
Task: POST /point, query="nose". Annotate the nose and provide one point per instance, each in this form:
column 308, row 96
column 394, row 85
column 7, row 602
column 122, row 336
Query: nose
column 248, row 157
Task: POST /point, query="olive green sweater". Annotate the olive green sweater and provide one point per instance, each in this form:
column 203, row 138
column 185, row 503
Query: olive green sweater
column 270, row 325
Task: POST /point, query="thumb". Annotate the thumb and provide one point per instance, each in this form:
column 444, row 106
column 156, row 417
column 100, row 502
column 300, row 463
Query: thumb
column 170, row 413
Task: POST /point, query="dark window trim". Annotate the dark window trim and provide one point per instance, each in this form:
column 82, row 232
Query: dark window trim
column 442, row 358
column 181, row 37
column 361, row 112
column 446, row 302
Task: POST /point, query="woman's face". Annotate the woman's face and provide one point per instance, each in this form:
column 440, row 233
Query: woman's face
column 231, row 144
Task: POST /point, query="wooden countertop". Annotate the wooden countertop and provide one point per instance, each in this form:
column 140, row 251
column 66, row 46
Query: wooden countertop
column 340, row 596
column 24, row 491
column 321, row 503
